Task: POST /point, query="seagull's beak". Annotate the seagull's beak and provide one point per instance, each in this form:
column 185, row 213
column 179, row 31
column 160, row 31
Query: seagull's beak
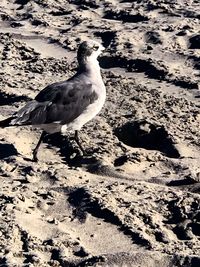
column 102, row 48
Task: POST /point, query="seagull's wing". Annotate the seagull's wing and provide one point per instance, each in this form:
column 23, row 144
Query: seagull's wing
column 59, row 102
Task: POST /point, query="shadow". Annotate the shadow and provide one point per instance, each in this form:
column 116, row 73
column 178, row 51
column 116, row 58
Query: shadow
column 84, row 4
column 195, row 228
column 7, row 150
column 186, row 181
column 84, row 203
column 107, row 62
column 107, row 37
column 69, row 150
column 22, row 2
column 60, row 12
column 143, row 134
column 143, row 66
column 181, row 233
column 8, row 99
column 153, row 37
column 124, row 16
column 194, row 188
column 194, row 42
column 138, row 65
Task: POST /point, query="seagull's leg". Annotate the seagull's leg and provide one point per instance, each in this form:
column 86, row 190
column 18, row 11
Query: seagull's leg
column 78, row 142
column 35, row 151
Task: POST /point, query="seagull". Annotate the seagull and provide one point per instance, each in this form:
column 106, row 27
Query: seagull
column 68, row 105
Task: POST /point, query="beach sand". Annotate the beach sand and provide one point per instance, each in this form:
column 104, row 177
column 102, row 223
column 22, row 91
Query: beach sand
column 134, row 201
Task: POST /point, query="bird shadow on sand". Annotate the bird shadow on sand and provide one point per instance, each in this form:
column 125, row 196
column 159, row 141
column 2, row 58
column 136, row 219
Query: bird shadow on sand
column 8, row 99
column 7, row 150
column 69, row 151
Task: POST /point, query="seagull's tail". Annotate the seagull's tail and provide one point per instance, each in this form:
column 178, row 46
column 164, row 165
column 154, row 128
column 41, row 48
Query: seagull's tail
column 6, row 122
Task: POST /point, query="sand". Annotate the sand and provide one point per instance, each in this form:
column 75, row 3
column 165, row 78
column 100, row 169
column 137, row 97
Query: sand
column 134, row 201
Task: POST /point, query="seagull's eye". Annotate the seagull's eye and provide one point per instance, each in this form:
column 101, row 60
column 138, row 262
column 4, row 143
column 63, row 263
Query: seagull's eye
column 95, row 47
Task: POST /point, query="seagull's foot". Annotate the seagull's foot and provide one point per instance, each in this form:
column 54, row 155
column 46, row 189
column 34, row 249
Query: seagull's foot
column 82, row 152
column 87, row 154
column 78, row 154
column 35, row 158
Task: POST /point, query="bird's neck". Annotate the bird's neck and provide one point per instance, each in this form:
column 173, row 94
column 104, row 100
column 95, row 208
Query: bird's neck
column 90, row 65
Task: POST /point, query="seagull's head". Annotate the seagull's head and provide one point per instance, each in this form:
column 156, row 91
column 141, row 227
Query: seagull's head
column 89, row 51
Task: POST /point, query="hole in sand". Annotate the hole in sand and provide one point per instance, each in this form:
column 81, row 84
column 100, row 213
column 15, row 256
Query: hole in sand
column 146, row 135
